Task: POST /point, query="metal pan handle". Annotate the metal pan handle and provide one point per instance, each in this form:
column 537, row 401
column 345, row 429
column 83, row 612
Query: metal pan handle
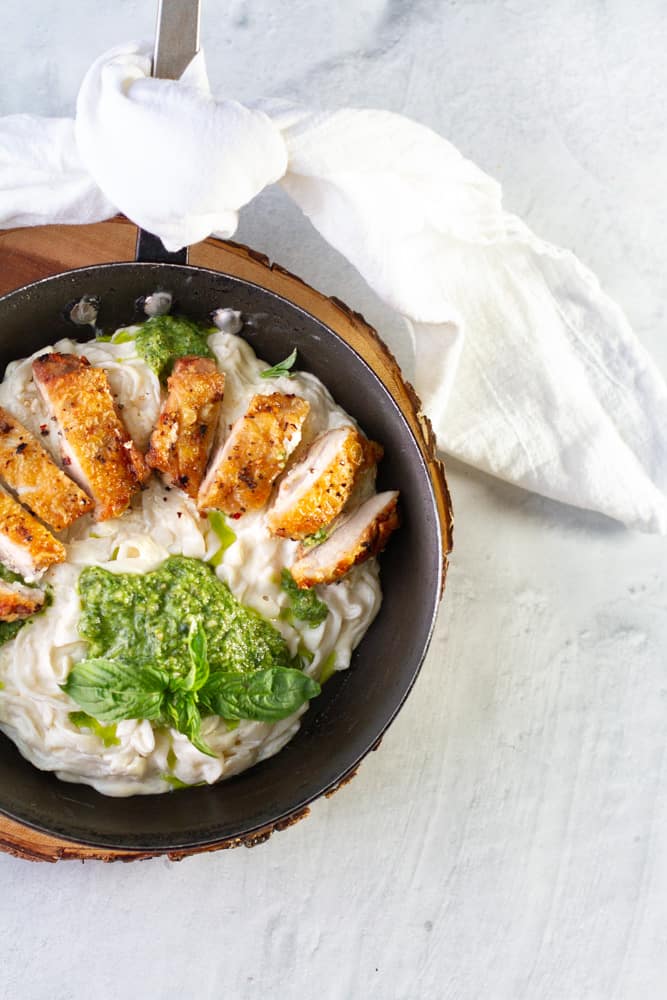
column 176, row 43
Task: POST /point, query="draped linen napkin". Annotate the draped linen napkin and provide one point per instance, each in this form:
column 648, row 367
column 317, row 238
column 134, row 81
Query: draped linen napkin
column 550, row 388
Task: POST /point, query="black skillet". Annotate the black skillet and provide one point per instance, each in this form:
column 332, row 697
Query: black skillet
column 356, row 706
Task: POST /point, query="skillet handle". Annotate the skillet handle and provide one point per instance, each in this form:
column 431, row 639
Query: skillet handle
column 150, row 249
column 176, row 44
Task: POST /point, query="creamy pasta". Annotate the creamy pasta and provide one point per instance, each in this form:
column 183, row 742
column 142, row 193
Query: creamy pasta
column 35, row 712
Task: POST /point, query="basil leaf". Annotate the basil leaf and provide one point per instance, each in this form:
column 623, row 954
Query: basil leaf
column 282, row 368
column 110, row 690
column 198, row 655
column 198, row 671
column 305, row 604
column 184, row 715
column 264, row 696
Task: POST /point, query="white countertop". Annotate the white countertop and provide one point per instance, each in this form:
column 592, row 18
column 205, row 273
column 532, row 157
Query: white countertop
column 508, row 841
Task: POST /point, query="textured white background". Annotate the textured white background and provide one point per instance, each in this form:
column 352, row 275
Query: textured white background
column 509, row 840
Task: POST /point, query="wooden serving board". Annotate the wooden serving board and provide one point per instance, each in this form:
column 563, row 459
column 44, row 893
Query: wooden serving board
column 29, row 254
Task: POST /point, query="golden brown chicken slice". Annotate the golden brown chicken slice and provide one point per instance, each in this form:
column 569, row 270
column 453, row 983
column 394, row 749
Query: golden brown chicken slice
column 17, row 601
column 315, row 490
column 28, row 469
column 97, row 450
column 26, row 546
column 356, row 538
column 243, row 471
column 185, row 429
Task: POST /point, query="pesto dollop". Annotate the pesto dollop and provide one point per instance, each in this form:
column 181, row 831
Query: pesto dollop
column 145, row 617
column 162, row 339
column 174, row 645
column 305, row 604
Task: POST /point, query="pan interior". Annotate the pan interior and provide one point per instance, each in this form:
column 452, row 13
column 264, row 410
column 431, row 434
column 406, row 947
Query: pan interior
column 356, row 706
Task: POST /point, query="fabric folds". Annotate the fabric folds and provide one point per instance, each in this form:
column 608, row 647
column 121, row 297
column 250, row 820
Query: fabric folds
column 526, row 367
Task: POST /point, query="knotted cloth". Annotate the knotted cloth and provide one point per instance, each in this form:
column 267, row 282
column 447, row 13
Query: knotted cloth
column 551, row 389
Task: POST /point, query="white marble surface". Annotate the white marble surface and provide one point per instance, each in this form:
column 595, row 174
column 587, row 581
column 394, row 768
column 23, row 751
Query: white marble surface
column 509, row 839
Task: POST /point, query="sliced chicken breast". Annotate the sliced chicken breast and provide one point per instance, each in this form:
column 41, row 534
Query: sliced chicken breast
column 97, row 450
column 28, row 469
column 243, row 471
column 356, row 538
column 26, row 546
column 314, row 491
column 183, row 435
column 17, row 601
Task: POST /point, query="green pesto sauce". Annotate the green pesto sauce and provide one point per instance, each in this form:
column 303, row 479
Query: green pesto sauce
column 9, row 630
column 224, row 533
column 145, row 619
column 328, row 667
column 162, row 339
column 105, row 733
column 304, row 602
column 177, row 784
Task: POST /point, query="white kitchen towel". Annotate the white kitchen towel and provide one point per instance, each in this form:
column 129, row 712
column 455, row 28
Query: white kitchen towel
column 550, row 388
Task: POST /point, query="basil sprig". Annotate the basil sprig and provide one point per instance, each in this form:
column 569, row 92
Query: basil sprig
column 111, row 690
column 282, row 368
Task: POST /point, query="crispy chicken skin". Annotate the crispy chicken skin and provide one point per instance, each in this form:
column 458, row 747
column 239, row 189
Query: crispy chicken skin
column 28, row 469
column 182, row 438
column 97, row 450
column 26, row 546
column 17, row 601
column 242, row 473
column 315, row 491
column 356, row 538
